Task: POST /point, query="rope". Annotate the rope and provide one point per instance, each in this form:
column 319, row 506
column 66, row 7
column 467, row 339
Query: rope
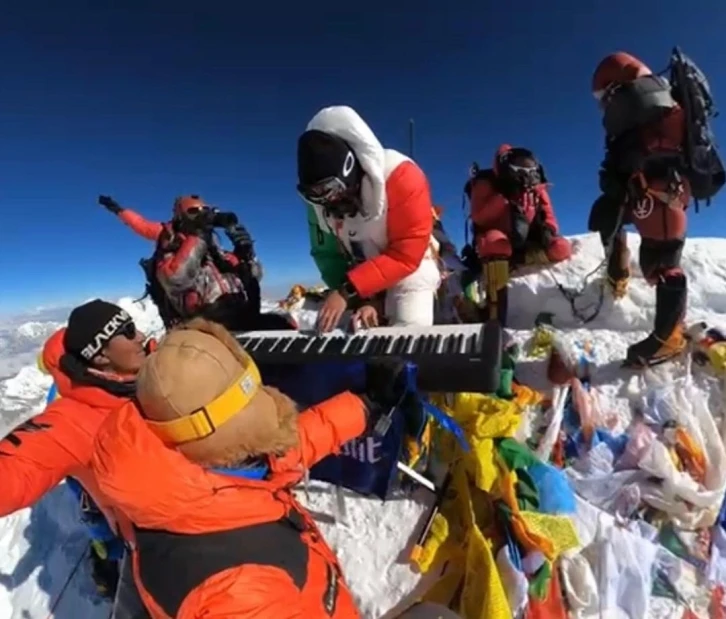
column 67, row 582
column 572, row 296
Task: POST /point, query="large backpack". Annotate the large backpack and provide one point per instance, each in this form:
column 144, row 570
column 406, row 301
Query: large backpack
column 690, row 88
column 167, row 312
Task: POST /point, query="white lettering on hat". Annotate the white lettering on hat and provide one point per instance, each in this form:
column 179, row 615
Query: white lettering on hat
column 109, row 330
column 348, row 164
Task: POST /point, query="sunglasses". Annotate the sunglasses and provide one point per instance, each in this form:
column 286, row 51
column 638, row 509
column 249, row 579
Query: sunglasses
column 128, row 330
column 195, row 210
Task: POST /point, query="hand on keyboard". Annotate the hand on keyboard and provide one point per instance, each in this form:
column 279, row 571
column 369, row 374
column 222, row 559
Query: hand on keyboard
column 331, row 312
column 365, row 318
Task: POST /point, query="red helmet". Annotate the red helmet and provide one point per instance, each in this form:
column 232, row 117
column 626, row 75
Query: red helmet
column 617, row 68
column 189, row 206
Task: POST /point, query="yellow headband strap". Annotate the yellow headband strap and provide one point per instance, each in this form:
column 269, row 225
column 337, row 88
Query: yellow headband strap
column 206, row 420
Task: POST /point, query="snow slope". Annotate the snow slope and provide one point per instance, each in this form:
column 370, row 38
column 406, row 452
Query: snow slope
column 41, row 546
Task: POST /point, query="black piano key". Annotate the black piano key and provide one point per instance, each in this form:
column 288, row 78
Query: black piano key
column 447, row 344
column 266, row 344
column 335, row 345
column 453, row 346
column 244, row 342
column 356, row 345
column 280, row 344
column 407, row 349
column 299, row 344
column 399, row 344
column 383, row 345
column 471, row 344
column 437, row 343
column 316, row 345
column 284, row 344
column 371, row 344
column 253, row 343
column 418, row 345
column 427, row 341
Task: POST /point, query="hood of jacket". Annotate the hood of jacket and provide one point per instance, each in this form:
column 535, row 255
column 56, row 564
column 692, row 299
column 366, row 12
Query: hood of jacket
column 345, row 123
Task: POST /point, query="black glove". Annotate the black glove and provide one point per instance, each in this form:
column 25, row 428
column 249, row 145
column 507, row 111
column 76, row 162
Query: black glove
column 110, row 204
column 386, row 390
column 239, row 237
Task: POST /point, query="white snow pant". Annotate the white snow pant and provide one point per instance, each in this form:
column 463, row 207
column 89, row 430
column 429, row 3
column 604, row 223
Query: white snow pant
column 428, row 610
column 410, row 303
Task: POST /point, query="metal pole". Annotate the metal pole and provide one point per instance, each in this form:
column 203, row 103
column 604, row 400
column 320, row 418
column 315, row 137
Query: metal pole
column 410, row 137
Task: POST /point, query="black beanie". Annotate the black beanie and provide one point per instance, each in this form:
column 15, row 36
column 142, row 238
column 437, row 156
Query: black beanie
column 321, row 155
column 91, row 326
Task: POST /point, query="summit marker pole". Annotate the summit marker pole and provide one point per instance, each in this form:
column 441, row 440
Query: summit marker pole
column 410, row 137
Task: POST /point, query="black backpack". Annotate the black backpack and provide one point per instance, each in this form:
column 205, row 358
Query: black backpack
column 169, row 315
column 690, row 89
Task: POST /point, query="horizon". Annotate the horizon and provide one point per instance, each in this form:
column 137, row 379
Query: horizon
column 151, row 103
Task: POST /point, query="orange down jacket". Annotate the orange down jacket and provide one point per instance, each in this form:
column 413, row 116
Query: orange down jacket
column 212, row 544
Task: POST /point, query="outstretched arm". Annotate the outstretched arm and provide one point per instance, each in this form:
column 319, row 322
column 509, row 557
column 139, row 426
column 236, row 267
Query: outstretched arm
column 139, row 224
column 325, row 427
column 33, row 461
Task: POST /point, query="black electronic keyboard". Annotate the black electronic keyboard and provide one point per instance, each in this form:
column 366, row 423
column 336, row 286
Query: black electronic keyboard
column 449, row 358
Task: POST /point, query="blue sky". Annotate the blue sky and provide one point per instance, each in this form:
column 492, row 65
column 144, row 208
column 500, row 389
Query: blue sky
column 209, row 97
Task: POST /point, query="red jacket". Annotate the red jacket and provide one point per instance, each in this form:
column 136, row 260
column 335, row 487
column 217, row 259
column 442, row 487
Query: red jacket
column 57, row 443
column 490, row 210
column 186, row 271
column 214, row 545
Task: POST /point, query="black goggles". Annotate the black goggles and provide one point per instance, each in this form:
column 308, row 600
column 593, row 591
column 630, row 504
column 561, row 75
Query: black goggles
column 323, row 193
column 333, row 195
column 528, row 176
column 196, row 210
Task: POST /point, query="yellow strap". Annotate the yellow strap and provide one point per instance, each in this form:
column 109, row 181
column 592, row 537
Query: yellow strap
column 206, row 420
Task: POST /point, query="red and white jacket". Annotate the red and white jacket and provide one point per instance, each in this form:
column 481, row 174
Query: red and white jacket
column 394, row 231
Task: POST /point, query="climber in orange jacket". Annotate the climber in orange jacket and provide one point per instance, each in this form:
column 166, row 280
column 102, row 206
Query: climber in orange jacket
column 204, row 471
column 198, row 277
column 513, row 221
column 93, row 362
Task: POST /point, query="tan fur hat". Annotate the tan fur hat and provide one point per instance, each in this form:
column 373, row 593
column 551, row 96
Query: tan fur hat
column 202, row 392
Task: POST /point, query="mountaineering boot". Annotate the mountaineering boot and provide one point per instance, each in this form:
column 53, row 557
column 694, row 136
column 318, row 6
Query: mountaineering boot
column 496, row 274
column 667, row 339
column 618, row 267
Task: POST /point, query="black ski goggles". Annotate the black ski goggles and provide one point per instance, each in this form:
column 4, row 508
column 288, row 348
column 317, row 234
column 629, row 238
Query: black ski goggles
column 333, row 195
column 195, row 211
column 527, row 176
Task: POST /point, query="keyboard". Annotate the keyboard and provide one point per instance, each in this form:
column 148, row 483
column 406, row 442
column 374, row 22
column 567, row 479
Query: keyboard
column 449, row 358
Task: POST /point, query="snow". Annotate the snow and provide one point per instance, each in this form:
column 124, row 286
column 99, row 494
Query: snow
column 40, row 546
